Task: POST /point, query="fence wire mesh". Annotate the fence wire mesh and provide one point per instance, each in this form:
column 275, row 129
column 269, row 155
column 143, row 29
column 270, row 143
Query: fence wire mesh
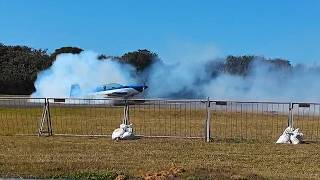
column 248, row 120
column 160, row 118
column 152, row 118
column 306, row 118
column 20, row 116
column 169, row 118
column 95, row 117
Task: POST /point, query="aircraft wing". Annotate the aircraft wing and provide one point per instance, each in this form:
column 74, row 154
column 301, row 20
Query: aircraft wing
column 117, row 94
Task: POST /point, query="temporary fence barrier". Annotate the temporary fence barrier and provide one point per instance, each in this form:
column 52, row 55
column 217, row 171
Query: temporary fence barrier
column 211, row 120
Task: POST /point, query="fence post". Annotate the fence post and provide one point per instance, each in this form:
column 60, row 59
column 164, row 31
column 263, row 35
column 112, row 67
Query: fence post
column 207, row 124
column 126, row 119
column 290, row 118
column 49, row 119
column 45, row 120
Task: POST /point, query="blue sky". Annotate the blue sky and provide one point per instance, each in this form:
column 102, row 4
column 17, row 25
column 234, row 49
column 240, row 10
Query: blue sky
column 287, row 29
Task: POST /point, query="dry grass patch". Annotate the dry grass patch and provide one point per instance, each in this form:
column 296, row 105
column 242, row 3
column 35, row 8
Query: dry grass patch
column 61, row 156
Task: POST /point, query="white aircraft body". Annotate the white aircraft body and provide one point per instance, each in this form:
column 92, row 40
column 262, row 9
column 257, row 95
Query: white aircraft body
column 109, row 91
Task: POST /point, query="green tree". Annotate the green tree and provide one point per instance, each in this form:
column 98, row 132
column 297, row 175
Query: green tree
column 238, row 65
column 19, row 67
column 140, row 59
column 242, row 65
column 72, row 50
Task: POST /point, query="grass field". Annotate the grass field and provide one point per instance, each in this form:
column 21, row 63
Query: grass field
column 64, row 156
column 242, row 148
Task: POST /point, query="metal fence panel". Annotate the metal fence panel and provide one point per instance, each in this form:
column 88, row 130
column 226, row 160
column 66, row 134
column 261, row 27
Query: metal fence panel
column 169, row 118
column 248, row 120
column 160, row 118
column 307, row 119
column 93, row 117
column 150, row 118
column 20, row 116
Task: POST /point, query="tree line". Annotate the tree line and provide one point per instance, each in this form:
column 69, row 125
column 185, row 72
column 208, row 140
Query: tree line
column 20, row 65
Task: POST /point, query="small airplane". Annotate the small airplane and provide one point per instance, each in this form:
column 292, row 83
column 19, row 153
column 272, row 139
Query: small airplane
column 112, row 90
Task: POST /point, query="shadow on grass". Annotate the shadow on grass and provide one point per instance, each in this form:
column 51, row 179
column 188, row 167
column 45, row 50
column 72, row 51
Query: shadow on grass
column 239, row 140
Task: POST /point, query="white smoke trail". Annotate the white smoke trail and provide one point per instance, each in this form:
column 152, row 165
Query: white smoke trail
column 266, row 84
column 187, row 77
column 183, row 77
column 83, row 69
column 182, row 69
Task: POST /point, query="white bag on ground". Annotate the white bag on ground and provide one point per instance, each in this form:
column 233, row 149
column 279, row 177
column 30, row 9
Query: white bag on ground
column 117, row 133
column 124, row 132
column 284, row 139
column 123, row 126
column 296, row 137
column 129, row 129
column 290, row 136
column 128, row 134
column 288, row 130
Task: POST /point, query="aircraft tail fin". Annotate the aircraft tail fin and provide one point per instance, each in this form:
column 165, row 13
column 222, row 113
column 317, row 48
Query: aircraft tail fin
column 74, row 90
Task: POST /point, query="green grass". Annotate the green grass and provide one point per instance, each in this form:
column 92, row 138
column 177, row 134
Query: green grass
column 88, row 175
column 83, row 156
column 242, row 148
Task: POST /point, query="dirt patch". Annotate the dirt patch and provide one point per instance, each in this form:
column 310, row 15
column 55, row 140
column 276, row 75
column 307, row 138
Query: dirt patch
column 175, row 173
column 222, row 173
